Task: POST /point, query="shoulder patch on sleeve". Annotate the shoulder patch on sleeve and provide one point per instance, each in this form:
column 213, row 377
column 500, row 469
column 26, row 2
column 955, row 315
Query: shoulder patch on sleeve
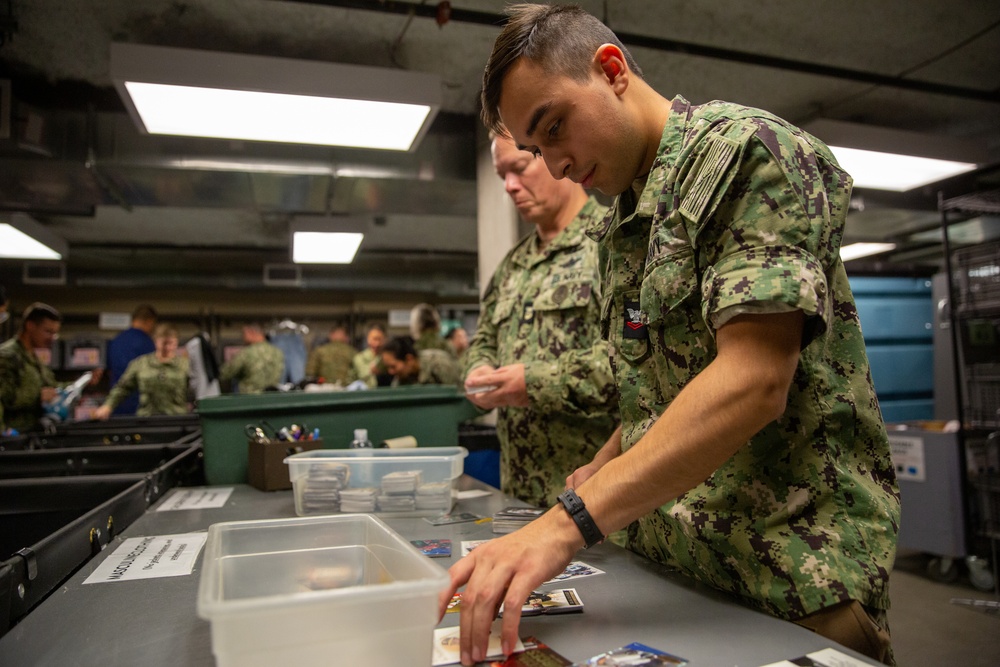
column 713, row 168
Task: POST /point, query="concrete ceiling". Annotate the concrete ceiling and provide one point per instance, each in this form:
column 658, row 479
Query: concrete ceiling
column 133, row 208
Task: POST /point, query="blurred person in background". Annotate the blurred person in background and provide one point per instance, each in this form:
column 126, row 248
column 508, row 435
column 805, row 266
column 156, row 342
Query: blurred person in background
column 128, row 345
column 26, row 384
column 425, row 327
column 333, row 361
column 257, row 366
column 161, row 378
column 368, row 363
column 408, row 365
column 458, row 339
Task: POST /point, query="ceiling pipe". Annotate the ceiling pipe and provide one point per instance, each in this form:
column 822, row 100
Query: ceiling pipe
column 429, row 11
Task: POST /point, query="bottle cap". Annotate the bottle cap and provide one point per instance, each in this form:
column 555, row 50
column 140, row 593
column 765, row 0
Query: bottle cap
column 360, row 434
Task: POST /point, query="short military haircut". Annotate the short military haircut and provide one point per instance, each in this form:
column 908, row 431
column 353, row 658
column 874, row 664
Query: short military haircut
column 400, row 347
column 376, row 327
column 144, row 312
column 165, row 331
column 38, row 312
column 562, row 39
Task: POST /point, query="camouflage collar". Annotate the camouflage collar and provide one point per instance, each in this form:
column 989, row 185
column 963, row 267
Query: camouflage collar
column 570, row 237
column 670, row 142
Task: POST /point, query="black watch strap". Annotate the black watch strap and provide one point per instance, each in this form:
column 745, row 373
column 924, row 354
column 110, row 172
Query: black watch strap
column 574, row 505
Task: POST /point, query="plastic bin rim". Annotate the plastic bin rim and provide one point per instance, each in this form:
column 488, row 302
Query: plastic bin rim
column 328, row 455
column 278, row 401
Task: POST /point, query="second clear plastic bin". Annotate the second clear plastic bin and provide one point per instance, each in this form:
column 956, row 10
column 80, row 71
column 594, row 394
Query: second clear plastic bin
column 411, row 482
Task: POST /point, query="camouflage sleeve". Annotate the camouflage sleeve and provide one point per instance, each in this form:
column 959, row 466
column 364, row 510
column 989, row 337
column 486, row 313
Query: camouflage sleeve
column 232, row 369
column 760, row 235
column 483, row 348
column 127, row 383
column 8, row 380
column 578, row 382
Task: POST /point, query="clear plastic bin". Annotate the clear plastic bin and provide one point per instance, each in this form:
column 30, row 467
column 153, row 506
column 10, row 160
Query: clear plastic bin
column 344, row 590
column 398, row 482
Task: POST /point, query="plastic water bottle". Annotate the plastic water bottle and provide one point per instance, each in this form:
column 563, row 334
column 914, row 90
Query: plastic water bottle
column 361, row 440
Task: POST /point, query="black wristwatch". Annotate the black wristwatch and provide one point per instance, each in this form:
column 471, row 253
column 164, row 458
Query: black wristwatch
column 574, row 505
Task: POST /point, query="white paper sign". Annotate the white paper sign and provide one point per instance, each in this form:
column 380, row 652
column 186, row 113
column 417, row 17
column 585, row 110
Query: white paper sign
column 196, row 499
column 150, row 558
column 908, row 457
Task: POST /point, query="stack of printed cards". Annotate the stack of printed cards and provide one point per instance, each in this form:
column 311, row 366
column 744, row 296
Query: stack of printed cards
column 560, row 601
column 446, row 519
column 828, row 657
column 433, row 548
column 633, row 655
column 322, row 486
column 402, row 481
column 361, row 499
column 510, row 519
column 434, row 496
column 447, row 650
column 535, row 654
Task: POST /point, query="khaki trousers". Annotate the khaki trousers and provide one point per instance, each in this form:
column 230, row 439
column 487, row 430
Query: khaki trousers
column 852, row 625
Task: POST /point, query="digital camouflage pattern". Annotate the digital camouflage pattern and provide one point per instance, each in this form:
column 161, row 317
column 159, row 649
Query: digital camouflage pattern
column 162, row 386
column 362, row 364
column 22, row 377
column 433, row 340
column 255, row 368
column 742, row 212
column 436, row 367
column 542, row 309
column 333, row 361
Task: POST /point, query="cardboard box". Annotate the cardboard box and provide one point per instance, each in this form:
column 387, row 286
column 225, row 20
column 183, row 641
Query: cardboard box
column 266, row 467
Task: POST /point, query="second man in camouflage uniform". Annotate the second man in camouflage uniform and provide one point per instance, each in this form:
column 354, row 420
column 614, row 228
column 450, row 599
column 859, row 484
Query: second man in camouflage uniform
column 539, row 337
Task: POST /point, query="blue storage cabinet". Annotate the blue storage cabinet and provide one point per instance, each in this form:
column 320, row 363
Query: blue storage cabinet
column 897, row 317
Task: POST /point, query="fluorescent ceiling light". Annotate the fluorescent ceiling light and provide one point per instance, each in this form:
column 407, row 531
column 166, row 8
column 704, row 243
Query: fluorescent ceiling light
column 23, row 238
column 888, row 159
column 257, row 98
column 252, row 166
column 856, row 250
column 899, row 173
column 325, row 247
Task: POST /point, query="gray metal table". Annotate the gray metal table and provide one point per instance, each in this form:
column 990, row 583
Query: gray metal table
column 153, row 622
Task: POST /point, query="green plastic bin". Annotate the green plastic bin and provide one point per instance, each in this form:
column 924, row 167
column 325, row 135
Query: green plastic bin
column 430, row 413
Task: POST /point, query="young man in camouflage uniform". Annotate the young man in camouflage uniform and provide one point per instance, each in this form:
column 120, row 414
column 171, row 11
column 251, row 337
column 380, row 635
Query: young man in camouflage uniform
column 161, row 378
column 408, row 365
column 333, row 361
column 255, row 367
column 751, row 452
column 25, row 382
column 539, row 336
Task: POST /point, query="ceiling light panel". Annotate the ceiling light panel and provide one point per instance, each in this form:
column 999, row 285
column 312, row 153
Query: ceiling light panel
column 258, row 98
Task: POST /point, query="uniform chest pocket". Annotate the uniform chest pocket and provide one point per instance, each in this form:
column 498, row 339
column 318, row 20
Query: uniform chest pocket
column 565, row 295
column 503, row 309
column 562, row 316
column 666, row 287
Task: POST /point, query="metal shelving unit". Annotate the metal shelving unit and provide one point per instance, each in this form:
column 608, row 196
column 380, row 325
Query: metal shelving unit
column 974, row 291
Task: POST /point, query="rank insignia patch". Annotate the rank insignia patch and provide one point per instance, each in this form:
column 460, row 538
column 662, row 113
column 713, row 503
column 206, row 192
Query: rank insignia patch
column 635, row 325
